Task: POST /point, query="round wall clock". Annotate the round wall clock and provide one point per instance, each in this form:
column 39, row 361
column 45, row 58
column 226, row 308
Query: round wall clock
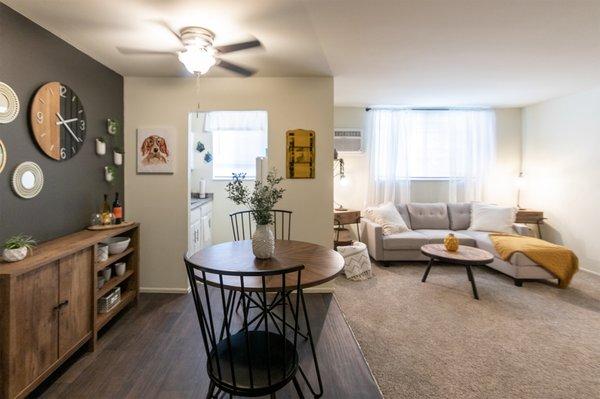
column 28, row 180
column 58, row 121
column 9, row 103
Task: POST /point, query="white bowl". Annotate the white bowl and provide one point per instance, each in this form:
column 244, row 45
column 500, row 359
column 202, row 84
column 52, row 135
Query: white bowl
column 116, row 245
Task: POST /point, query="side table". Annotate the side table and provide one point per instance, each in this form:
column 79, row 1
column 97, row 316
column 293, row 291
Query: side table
column 342, row 235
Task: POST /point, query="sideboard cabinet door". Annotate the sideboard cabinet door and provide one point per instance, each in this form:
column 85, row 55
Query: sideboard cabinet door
column 75, row 297
column 34, row 345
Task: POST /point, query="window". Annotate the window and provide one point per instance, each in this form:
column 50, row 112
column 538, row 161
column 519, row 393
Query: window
column 238, row 137
column 406, row 145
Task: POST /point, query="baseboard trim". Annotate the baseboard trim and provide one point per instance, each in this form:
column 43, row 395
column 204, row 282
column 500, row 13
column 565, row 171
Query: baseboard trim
column 590, row 271
column 319, row 290
column 162, row 290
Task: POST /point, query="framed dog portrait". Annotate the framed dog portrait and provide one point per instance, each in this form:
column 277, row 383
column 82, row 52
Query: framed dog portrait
column 155, row 150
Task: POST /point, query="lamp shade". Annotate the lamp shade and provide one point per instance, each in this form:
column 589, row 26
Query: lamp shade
column 196, row 59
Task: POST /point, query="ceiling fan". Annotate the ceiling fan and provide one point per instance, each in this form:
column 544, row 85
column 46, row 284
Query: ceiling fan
column 198, row 54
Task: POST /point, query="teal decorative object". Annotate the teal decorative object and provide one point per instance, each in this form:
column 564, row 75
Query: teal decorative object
column 208, row 157
column 200, row 147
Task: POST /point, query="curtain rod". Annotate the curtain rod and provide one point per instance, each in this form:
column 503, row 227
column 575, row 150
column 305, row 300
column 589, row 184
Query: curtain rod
column 429, row 109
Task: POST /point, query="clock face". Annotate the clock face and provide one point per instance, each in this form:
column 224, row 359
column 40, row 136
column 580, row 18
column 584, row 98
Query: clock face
column 58, row 121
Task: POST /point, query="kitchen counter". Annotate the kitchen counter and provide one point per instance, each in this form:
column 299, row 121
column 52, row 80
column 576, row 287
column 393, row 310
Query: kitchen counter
column 196, row 202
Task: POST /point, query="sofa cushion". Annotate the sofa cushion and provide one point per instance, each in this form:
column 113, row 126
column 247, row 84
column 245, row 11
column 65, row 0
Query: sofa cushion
column 405, row 240
column 403, row 211
column 482, row 240
column 387, row 216
column 428, row 216
column 437, row 237
column 486, row 217
column 459, row 215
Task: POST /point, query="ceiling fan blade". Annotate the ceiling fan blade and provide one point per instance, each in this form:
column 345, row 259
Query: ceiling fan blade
column 230, row 48
column 136, row 51
column 165, row 25
column 236, row 68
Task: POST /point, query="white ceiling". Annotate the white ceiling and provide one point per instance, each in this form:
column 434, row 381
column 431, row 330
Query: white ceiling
column 418, row 52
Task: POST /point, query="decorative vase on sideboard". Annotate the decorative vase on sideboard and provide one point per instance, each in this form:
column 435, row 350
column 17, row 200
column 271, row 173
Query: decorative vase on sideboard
column 263, row 242
column 14, row 255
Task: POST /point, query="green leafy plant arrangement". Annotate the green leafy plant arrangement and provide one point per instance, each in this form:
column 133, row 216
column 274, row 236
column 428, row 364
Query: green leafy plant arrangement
column 20, row 241
column 261, row 200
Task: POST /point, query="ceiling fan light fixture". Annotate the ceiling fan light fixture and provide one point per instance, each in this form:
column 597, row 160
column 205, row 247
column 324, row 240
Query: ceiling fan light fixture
column 196, row 59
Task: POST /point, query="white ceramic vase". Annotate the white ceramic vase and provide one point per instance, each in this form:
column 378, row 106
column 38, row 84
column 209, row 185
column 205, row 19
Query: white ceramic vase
column 100, row 147
column 263, row 242
column 14, row 255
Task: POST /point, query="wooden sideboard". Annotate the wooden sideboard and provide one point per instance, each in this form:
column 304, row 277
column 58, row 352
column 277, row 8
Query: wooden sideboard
column 48, row 305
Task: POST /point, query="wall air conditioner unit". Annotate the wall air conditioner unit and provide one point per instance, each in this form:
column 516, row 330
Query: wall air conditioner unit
column 348, row 141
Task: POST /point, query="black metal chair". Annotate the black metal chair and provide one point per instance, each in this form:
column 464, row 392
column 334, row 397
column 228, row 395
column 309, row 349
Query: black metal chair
column 241, row 360
column 243, row 224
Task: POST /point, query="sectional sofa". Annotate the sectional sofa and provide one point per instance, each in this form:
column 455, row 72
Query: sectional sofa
column 429, row 224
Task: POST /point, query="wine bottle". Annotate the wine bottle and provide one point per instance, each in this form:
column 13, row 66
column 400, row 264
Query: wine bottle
column 105, row 214
column 117, row 210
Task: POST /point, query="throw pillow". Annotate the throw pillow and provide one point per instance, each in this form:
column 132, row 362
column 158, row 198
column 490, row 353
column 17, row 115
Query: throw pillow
column 388, row 217
column 498, row 219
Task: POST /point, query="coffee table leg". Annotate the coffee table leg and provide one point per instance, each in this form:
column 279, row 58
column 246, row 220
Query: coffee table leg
column 427, row 270
column 472, row 280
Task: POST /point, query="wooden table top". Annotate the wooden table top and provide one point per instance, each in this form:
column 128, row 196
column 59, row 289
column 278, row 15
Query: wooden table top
column 321, row 264
column 464, row 256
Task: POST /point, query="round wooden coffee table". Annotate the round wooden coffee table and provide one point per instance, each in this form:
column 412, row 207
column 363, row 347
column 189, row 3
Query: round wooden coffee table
column 466, row 256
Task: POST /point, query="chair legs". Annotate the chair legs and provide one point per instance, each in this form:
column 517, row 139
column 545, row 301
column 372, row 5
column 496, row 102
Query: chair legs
column 211, row 390
column 298, row 390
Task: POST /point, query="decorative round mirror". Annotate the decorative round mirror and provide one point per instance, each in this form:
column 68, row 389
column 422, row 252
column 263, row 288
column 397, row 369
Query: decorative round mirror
column 2, row 155
column 28, row 180
column 9, row 103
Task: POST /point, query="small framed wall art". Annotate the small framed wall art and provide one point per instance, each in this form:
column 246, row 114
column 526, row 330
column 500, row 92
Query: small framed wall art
column 300, row 154
column 28, row 180
column 2, row 156
column 156, row 150
column 9, row 103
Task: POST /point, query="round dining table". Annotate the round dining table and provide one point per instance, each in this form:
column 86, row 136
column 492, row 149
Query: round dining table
column 320, row 265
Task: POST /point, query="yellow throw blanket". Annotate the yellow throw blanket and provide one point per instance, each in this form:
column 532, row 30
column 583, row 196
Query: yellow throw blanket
column 556, row 259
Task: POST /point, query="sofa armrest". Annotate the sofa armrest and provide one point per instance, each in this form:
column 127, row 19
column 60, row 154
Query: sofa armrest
column 372, row 235
column 523, row 230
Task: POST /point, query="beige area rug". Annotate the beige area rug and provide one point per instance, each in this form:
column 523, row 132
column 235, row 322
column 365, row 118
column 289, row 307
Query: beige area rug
column 433, row 340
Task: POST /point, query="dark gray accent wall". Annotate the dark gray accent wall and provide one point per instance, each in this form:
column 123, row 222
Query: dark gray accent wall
column 29, row 57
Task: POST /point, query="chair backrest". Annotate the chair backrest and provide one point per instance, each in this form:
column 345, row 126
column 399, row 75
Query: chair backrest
column 243, row 224
column 215, row 303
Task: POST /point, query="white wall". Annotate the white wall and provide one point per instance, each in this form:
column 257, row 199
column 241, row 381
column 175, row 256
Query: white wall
column 500, row 190
column 562, row 176
column 160, row 202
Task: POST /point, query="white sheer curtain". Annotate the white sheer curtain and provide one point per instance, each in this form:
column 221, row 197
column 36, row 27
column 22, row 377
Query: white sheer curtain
column 236, row 120
column 389, row 178
column 454, row 147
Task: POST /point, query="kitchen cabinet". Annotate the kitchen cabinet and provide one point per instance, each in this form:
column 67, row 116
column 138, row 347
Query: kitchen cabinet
column 200, row 232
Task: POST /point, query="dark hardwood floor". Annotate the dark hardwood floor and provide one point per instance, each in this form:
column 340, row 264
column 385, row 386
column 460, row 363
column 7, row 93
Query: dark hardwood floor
column 154, row 351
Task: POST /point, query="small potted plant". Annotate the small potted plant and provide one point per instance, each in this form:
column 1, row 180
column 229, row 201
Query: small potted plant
column 110, row 173
column 118, row 156
column 100, row 146
column 260, row 202
column 17, row 247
